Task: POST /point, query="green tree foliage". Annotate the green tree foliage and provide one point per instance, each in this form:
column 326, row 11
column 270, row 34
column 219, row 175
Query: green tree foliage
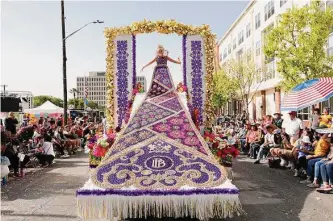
column 223, row 89
column 74, row 91
column 298, row 41
column 244, row 77
column 80, row 103
column 39, row 100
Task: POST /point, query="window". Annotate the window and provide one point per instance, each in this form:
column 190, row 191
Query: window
column 248, row 30
column 257, row 20
column 282, row 2
column 239, row 54
column 270, row 73
column 234, row 44
column 304, row 113
column 240, row 37
column 249, row 54
column 329, row 104
column 258, row 75
column 258, row 45
column 269, row 9
column 225, row 53
column 229, row 48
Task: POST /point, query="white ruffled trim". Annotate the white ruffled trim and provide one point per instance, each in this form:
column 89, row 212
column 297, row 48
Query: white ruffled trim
column 201, row 206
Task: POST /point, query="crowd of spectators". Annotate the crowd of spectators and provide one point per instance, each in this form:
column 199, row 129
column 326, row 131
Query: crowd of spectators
column 286, row 142
column 39, row 144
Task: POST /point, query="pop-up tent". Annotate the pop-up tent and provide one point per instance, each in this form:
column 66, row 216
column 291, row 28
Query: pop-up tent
column 47, row 108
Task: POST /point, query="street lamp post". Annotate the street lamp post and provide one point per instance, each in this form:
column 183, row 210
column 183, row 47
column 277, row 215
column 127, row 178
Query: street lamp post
column 64, row 58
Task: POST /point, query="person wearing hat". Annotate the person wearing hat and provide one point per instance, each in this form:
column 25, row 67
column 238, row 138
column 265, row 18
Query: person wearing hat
column 304, row 149
column 293, row 127
column 278, row 120
column 322, row 147
column 10, row 123
column 268, row 143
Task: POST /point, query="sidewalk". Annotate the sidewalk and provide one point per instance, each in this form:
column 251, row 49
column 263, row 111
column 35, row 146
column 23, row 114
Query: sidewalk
column 47, row 194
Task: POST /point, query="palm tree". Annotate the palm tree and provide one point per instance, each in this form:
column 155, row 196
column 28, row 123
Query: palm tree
column 74, row 91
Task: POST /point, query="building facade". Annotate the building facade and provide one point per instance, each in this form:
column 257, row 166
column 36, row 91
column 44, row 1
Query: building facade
column 246, row 37
column 142, row 81
column 94, row 86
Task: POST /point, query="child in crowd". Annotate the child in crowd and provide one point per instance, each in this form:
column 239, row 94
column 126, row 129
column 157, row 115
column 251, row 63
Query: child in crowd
column 304, row 149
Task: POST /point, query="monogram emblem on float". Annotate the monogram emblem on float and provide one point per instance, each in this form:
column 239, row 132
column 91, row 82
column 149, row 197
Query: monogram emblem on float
column 159, row 163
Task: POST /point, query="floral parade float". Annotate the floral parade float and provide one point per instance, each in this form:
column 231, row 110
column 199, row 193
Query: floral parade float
column 159, row 165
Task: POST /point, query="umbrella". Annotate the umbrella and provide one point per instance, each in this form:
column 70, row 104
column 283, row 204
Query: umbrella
column 308, row 93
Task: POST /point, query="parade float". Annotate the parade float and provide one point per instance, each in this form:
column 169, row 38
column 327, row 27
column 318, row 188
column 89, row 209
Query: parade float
column 158, row 164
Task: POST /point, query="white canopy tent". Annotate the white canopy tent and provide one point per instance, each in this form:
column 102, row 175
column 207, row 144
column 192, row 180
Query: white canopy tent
column 47, row 107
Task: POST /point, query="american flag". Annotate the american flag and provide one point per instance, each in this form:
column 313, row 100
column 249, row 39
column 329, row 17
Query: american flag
column 307, row 94
column 85, row 90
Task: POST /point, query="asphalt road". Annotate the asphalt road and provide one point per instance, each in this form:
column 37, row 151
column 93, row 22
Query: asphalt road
column 266, row 194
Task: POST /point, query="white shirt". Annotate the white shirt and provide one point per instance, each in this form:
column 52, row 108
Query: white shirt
column 36, row 134
column 292, row 127
column 48, row 148
column 269, row 138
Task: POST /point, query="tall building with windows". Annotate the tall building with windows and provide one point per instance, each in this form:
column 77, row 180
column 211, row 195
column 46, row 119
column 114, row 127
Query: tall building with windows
column 142, row 80
column 94, row 85
column 246, row 37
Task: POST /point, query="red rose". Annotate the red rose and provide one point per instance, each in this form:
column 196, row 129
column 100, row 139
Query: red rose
column 219, row 153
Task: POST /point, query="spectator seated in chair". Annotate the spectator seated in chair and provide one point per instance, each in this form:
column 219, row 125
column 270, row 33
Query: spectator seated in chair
column 323, row 172
column 253, row 140
column 46, row 153
column 269, row 142
column 322, row 147
column 325, row 120
column 242, row 138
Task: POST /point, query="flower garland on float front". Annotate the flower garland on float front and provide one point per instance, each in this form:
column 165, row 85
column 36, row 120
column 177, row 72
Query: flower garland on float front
column 98, row 145
column 224, row 150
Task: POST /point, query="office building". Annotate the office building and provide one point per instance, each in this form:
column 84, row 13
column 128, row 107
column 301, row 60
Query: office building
column 246, row 37
column 94, row 86
column 143, row 82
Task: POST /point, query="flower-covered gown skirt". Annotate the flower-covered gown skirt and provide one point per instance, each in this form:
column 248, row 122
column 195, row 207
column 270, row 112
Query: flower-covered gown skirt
column 159, row 148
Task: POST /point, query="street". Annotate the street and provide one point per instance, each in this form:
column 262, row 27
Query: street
column 266, row 194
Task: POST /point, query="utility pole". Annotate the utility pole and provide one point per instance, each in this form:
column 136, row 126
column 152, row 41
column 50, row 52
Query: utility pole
column 4, row 88
column 64, row 60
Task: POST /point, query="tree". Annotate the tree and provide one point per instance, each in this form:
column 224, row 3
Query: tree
column 39, row 100
column 74, row 91
column 80, row 103
column 223, row 89
column 76, row 103
column 245, row 78
column 298, row 41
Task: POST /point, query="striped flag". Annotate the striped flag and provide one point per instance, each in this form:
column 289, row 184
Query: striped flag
column 86, row 90
column 307, row 94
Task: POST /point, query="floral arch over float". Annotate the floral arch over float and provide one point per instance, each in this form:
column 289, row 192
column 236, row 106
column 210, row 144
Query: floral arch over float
column 198, row 66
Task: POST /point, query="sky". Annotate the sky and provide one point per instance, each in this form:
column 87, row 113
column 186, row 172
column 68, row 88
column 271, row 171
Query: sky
column 31, row 46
